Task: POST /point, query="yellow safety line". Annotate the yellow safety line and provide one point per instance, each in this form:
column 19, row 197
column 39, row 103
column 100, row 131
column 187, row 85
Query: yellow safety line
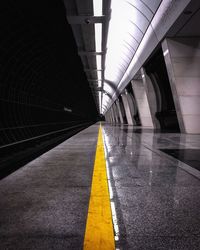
column 99, row 228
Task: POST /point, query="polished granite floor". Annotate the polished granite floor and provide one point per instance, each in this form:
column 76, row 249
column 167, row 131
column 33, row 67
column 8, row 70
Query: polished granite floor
column 157, row 203
column 43, row 205
column 188, row 156
column 155, row 198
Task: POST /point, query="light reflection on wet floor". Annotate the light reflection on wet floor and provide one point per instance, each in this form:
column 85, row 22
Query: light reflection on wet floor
column 156, row 202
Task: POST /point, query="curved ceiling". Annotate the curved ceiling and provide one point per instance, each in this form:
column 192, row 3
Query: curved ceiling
column 128, row 24
column 129, row 31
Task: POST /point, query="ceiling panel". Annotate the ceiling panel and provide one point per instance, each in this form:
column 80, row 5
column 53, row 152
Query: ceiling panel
column 85, row 19
column 131, row 29
column 128, row 24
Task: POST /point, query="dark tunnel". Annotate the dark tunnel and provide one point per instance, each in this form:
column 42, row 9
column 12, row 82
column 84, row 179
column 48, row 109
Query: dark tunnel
column 41, row 94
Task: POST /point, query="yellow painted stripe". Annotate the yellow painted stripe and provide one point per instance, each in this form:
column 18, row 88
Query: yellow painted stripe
column 99, row 228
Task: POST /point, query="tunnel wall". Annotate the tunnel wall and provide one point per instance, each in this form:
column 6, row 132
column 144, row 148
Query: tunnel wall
column 42, row 84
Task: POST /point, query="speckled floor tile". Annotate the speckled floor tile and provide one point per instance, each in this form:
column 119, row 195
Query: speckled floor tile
column 44, row 204
column 156, row 202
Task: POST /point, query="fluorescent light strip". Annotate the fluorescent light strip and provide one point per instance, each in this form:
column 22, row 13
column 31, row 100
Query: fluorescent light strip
column 99, row 84
column 97, row 7
column 98, row 11
column 99, row 75
column 98, row 36
column 100, row 102
column 98, row 39
column 98, row 61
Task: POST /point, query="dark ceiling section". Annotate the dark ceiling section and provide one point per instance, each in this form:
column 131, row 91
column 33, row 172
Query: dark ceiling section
column 42, row 83
column 187, row 23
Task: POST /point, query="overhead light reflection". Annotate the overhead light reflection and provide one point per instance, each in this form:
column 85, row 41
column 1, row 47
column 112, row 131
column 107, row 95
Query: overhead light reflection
column 112, row 202
column 166, row 52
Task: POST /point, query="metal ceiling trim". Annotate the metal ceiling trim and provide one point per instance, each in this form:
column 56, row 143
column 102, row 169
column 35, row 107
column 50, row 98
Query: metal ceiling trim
column 93, row 69
column 86, row 19
column 90, row 53
column 94, row 80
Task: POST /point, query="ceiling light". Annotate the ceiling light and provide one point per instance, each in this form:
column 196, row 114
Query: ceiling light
column 99, row 84
column 99, row 75
column 98, row 11
column 100, row 93
column 98, row 36
column 97, row 7
column 98, row 61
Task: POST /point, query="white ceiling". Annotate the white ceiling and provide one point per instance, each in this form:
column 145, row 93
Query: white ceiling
column 131, row 29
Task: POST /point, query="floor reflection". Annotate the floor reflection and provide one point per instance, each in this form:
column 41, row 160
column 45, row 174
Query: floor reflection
column 156, row 203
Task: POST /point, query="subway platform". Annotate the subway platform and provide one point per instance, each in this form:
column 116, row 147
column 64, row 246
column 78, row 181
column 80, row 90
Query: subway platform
column 153, row 180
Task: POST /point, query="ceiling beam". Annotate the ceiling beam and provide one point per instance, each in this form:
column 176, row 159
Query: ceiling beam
column 93, row 69
column 94, row 80
column 87, row 19
column 90, row 53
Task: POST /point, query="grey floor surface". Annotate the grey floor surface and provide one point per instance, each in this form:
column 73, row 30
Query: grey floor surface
column 157, row 203
column 44, row 204
column 155, row 199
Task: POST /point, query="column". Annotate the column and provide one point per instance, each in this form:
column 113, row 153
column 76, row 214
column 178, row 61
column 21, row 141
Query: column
column 151, row 97
column 116, row 112
column 113, row 115
column 127, row 109
column 182, row 58
column 119, row 111
column 142, row 103
column 109, row 115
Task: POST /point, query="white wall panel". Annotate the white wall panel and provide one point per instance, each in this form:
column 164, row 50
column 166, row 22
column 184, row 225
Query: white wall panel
column 183, row 64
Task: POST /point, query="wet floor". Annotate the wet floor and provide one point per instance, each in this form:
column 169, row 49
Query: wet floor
column 156, row 201
column 188, row 156
column 155, row 198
